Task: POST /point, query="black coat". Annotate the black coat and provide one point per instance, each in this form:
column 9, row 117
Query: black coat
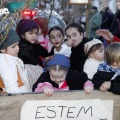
column 107, row 19
column 30, row 53
column 78, row 58
column 74, row 80
column 102, row 76
column 115, row 28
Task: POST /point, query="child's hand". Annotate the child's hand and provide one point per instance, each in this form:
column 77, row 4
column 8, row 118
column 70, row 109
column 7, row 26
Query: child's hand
column 69, row 43
column 105, row 86
column 88, row 89
column 48, row 91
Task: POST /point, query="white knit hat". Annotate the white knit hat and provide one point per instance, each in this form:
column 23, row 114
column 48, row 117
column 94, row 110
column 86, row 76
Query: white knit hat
column 89, row 44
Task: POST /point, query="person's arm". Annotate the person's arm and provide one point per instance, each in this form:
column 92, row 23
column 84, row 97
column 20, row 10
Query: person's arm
column 99, row 79
column 41, row 50
column 107, row 35
column 65, row 50
column 43, row 78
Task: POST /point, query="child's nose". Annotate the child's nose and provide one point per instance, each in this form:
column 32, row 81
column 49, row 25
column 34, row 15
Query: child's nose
column 57, row 79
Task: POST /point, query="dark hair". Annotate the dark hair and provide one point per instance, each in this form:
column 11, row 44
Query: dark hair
column 118, row 14
column 75, row 25
column 56, row 28
column 94, row 48
column 106, row 9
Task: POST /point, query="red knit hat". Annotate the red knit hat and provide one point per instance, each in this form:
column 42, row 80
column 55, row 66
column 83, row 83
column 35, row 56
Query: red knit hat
column 42, row 23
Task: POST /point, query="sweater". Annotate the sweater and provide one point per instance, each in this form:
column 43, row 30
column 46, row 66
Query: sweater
column 74, row 80
column 31, row 53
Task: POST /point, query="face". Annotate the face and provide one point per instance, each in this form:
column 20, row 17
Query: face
column 56, row 38
column 31, row 36
column 92, row 10
column 116, row 64
column 12, row 50
column 98, row 54
column 73, row 35
column 57, row 76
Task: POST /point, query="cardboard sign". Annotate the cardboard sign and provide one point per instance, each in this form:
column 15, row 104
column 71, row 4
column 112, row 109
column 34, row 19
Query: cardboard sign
column 93, row 109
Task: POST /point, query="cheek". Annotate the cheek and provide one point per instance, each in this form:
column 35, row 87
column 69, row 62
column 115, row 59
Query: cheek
column 52, row 41
column 52, row 78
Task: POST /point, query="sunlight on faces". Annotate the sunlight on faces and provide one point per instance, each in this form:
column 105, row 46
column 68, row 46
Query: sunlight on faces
column 31, row 35
column 56, row 38
column 73, row 35
column 98, row 54
column 57, row 76
column 12, row 50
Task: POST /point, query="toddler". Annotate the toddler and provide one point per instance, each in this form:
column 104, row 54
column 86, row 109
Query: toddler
column 13, row 76
column 95, row 51
column 60, row 77
column 30, row 52
column 107, row 77
column 43, row 30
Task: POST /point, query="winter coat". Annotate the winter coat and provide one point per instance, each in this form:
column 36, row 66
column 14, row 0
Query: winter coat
column 10, row 67
column 94, row 24
column 30, row 53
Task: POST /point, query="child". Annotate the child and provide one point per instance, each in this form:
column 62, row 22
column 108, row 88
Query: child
column 56, row 36
column 107, row 77
column 95, row 51
column 30, row 52
column 74, row 32
column 13, row 76
column 43, row 30
column 59, row 77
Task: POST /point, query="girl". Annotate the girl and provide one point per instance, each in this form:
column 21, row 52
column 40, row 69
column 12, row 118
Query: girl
column 30, row 52
column 43, row 30
column 56, row 36
column 74, row 33
column 13, row 76
column 107, row 77
column 59, row 77
column 95, row 52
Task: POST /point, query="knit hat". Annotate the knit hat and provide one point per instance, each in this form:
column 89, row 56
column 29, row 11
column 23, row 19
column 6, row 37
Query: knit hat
column 59, row 59
column 43, row 24
column 94, row 7
column 9, row 39
column 89, row 44
column 25, row 25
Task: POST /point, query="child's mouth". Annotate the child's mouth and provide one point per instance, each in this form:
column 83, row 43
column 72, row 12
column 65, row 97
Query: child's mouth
column 56, row 42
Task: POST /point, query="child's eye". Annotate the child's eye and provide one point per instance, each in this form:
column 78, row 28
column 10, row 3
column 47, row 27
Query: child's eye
column 74, row 35
column 36, row 33
column 68, row 37
column 52, row 37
